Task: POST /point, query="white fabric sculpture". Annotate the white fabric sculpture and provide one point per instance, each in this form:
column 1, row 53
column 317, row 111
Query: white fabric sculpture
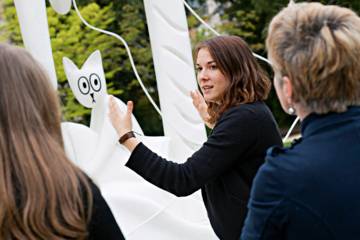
column 89, row 87
column 175, row 76
column 141, row 209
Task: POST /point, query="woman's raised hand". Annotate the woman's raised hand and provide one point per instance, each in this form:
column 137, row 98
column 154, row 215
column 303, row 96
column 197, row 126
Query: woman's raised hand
column 121, row 121
column 201, row 107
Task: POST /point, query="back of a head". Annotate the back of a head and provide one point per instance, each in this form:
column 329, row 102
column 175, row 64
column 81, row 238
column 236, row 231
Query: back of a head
column 26, row 94
column 40, row 187
column 317, row 47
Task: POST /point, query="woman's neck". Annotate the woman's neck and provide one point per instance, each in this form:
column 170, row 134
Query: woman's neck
column 301, row 112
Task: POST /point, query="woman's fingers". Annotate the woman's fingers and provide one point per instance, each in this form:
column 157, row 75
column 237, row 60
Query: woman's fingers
column 200, row 97
column 127, row 117
column 130, row 107
column 195, row 97
column 120, row 120
column 200, row 105
column 198, row 100
column 114, row 113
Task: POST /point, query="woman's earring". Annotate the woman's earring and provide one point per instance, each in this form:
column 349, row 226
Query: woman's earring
column 291, row 110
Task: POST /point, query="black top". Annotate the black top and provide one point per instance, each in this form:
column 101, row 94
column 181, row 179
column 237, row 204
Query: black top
column 223, row 167
column 311, row 189
column 102, row 224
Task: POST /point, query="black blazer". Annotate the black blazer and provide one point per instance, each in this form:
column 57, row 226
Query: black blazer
column 310, row 190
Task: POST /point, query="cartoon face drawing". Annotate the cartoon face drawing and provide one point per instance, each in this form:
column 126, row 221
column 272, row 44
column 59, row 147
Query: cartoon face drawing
column 88, row 83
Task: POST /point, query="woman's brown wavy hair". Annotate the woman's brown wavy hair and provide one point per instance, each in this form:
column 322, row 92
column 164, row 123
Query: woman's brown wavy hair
column 42, row 193
column 248, row 82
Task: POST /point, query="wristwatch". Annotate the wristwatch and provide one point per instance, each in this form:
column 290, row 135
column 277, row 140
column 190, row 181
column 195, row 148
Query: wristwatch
column 126, row 136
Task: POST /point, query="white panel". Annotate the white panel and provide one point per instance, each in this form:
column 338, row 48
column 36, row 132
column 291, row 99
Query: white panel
column 35, row 34
column 175, row 76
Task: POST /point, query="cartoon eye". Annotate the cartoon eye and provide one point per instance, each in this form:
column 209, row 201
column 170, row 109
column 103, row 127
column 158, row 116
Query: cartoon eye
column 83, row 85
column 95, row 82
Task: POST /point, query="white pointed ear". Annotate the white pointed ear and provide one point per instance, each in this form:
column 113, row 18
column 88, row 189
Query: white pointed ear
column 61, row 6
column 94, row 59
column 69, row 66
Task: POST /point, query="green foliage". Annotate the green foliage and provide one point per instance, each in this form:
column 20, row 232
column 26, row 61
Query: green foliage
column 198, row 32
column 287, row 144
column 10, row 30
column 69, row 37
column 244, row 24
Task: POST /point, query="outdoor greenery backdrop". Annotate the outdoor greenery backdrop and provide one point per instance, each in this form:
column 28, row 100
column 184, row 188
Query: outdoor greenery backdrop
column 69, row 37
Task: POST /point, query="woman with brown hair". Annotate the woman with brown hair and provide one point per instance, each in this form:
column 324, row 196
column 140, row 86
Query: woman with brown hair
column 311, row 190
column 234, row 87
column 43, row 195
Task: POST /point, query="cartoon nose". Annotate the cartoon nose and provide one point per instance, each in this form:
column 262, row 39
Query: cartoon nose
column 92, row 97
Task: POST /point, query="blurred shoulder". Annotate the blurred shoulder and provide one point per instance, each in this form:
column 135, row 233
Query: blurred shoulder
column 280, row 154
column 285, row 163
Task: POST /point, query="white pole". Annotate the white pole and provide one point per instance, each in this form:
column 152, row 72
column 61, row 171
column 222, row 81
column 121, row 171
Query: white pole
column 35, row 33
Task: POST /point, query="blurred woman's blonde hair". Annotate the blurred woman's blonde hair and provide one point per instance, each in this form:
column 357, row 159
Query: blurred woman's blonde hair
column 318, row 48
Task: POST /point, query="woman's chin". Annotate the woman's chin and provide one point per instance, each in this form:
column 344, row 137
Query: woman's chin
column 211, row 99
column 207, row 99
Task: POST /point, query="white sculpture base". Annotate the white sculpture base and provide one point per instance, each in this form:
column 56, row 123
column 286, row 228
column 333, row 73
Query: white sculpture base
column 142, row 210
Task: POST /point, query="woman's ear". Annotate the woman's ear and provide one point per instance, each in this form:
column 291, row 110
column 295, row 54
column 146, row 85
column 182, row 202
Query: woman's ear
column 287, row 89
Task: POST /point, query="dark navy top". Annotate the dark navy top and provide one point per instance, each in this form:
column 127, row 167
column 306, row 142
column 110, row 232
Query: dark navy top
column 310, row 191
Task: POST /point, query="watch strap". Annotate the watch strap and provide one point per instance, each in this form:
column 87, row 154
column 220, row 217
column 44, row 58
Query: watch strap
column 126, row 136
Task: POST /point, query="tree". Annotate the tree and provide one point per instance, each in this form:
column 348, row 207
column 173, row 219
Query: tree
column 69, row 37
column 133, row 28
